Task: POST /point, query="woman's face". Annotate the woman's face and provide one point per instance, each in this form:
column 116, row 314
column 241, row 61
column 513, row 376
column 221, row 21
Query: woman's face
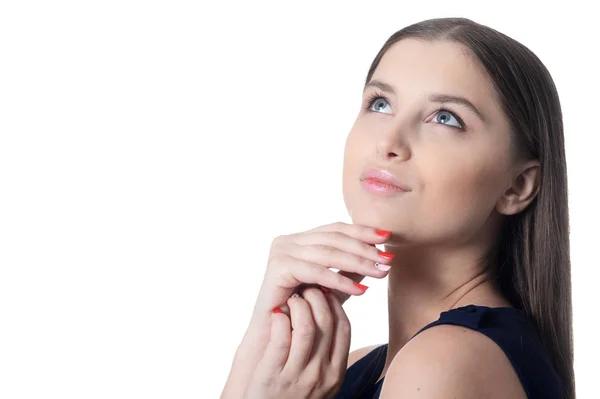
column 456, row 162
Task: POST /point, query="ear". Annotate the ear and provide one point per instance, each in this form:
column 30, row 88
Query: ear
column 522, row 190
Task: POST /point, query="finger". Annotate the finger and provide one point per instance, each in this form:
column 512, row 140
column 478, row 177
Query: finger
column 355, row 277
column 338, row 251
column 323, row 319
column 342, row 296
column 277, row 350
column 299, row 290
column 340, row 345
column 346, row 243
column 368, row 234
column 303, row 335
column 300, row 271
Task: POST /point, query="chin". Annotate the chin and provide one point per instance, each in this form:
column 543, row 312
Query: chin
column 371, row 217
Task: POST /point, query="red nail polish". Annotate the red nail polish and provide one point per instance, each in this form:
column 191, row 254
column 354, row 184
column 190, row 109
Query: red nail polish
column 325, row 290
column 277, row 310
column 362, row 287
column 386, row 255
column 383, row 233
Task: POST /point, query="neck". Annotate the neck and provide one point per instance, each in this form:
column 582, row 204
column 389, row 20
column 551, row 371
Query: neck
column 424, row 283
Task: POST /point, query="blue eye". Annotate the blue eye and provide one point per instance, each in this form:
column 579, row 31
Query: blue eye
column 444, row 115
column 374, row 99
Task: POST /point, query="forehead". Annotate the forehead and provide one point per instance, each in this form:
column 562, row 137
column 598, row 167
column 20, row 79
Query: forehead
column 416, row 66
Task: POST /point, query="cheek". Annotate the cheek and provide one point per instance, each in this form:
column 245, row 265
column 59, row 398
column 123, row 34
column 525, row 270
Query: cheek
column 468, row 179
column 460, row 195
column 355, row 149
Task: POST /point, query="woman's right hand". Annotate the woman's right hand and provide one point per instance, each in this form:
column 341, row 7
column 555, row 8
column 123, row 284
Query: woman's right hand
column 305, row 258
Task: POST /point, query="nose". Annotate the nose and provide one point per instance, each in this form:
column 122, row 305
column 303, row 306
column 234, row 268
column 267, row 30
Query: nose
column 392, row 145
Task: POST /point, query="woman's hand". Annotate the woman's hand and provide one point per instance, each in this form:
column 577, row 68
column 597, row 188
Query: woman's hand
column 307, row 353
column 305, row 258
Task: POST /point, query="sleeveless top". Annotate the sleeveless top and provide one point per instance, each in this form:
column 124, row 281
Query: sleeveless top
column 509, row 328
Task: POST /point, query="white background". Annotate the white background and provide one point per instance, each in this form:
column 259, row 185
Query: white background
column 150, row 151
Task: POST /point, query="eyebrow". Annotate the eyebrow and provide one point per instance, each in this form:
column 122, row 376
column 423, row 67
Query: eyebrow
column 433, row 97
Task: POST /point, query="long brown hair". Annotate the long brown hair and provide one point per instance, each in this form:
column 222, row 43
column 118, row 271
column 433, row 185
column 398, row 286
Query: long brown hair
column 531, row 264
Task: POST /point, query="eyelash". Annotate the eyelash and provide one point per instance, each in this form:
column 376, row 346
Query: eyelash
column 375, row 96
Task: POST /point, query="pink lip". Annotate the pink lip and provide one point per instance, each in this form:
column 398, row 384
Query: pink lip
column 382, row 181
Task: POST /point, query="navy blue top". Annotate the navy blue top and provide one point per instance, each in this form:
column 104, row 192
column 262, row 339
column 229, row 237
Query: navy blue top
column 510, row 328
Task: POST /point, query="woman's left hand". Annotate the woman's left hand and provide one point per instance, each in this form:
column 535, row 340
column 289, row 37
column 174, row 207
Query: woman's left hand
column 307, row 353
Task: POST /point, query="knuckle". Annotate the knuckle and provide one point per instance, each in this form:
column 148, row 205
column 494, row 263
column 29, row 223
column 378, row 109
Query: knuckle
column 264, row 379
column 366, row 247
column 329, row 253
column 281, row 345
column 338, row 236
column 295, row 381
column 366, row 263
column 281, row 240
column 314, row 374
column 284, row 381
column 342, row 280
column 277, row 246
column 305, row 331
column 323, row 317
column 344, row 326
column 279, row 268
column 326, row 255
column 325, row 250
column 277, row 240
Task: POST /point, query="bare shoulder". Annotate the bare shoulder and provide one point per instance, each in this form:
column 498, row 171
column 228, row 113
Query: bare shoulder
column 358, row 354
column 451, row 361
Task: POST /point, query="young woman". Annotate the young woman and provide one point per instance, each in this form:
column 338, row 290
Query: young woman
column 456, row 164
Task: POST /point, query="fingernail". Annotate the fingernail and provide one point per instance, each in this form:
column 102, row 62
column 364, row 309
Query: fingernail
column 386, row 255
column 362, row 287
column 380, row 266
column 383, row 233
column 277, row 310
column 325, row 290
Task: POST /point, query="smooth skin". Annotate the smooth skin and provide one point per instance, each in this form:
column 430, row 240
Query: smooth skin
column 305, row 358
column 296, row 260
column 464, row 178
